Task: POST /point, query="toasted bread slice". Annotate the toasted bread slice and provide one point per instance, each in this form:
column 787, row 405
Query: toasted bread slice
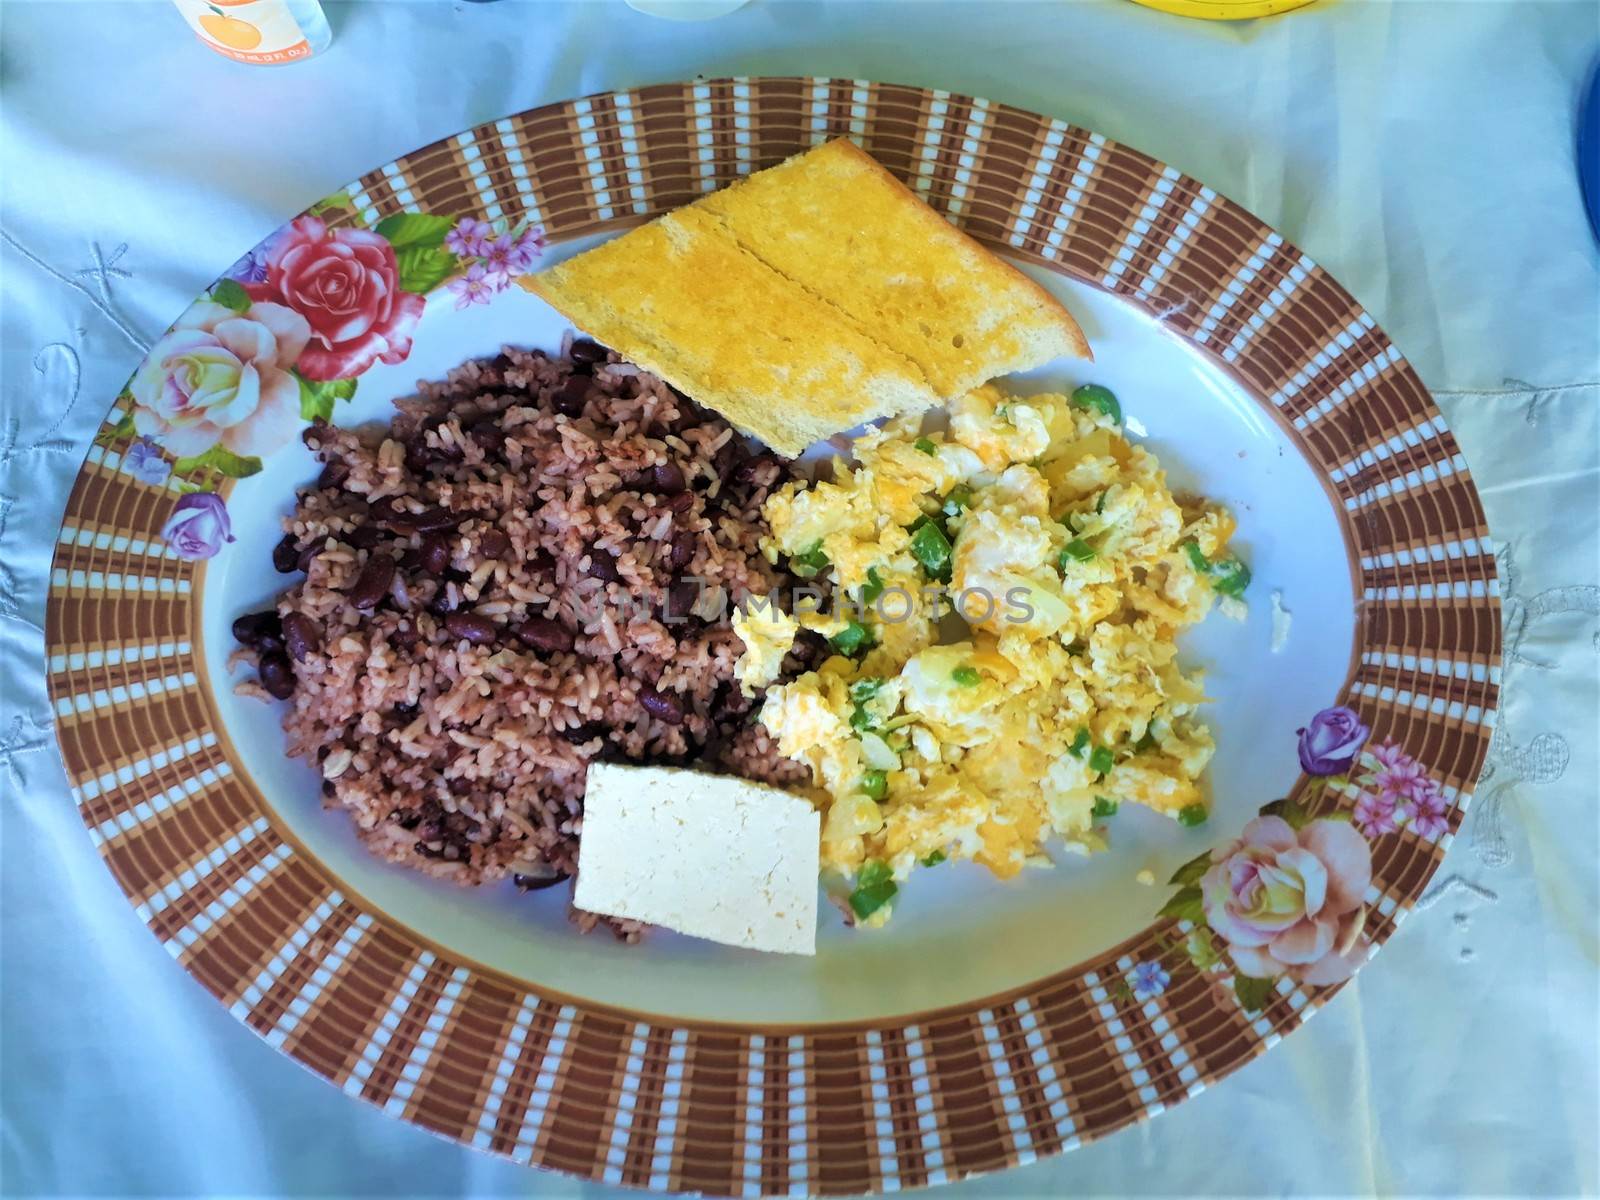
column 841, row 226
column 680, row 298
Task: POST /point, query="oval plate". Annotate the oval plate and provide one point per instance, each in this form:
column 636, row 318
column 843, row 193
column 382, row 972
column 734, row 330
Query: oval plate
column 1084, row 1001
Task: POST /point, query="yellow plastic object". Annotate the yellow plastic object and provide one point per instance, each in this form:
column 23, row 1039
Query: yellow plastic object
column 1225, row 10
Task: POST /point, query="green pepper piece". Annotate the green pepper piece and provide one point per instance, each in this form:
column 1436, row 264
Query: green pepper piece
column 875, row 887
column 931, row 548
column 852, row 639
column 1101, row 399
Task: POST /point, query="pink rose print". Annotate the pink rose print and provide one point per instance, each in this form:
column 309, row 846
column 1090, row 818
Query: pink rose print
column 1331, row 742
column 469, row 237
column 198, row 526
column 344, row 283
column 1375, row 814
column 222, row 376
column 1291, row 903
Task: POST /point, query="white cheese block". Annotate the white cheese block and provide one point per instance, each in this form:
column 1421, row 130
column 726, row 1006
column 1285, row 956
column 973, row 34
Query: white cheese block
column 706, row 855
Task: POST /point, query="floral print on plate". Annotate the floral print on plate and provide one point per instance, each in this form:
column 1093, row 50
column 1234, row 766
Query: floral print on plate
column 282, row 339
column 1287, row 898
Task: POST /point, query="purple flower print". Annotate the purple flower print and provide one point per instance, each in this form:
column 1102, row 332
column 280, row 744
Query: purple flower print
column 1150, row 979
column 1331, row 742
column 198, row 526
column 508, row 255
column 252, row 268
column 1397, row 772
column 532, row 242
column 1427, row 809
column 144, row 462
column 1375, row 814
column 469, row 237
column 477, row 286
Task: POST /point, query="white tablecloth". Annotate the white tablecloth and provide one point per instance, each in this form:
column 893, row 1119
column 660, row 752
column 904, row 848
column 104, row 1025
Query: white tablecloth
column 1422, row 152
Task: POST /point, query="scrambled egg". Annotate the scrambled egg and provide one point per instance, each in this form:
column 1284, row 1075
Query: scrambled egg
column 1071, row 568
column 767, row 632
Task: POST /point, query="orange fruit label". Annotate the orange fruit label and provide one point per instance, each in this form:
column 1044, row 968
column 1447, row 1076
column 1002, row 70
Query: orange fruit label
column 252, row 31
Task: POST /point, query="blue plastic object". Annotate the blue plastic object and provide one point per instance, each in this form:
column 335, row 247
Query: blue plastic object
column 1589, row 149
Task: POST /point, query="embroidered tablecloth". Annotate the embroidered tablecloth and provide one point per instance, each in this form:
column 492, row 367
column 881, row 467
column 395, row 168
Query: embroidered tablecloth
column 1422, row 152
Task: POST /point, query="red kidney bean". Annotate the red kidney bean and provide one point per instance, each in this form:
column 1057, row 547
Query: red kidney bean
column 276, row 675
column 683, row 547
column 307, row 553
column 251, row 628
column 460, row 824
column 588, row 352
column 311, row 435
column 668, row 478
column 434, row 554
column 388, row 514
column 681, row 598
column 661, row 705
column 432, row 519
column 362, row 537
column 682, row 502
column 334, row 474
column 494, row 543
column 568, row 400
column 286, row 555
column 489, row 436
column 419, row 455
column 542, row 633
column 547, row 876
column 441, row 604
column 470, row 627
column 603, row 565
column 586, row 732
column 690, row 414
column 749, row 470
column 301, row 635
column 405, row 635
column 372, row 585
column 729, row 457
column 729, row 701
